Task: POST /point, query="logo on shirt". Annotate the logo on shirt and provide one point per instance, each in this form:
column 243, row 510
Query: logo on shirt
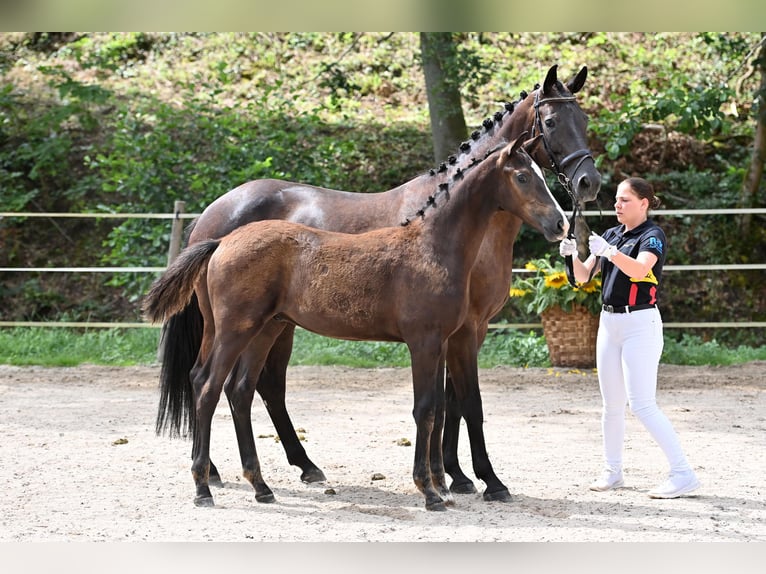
column 650, row 278
column 655, row 243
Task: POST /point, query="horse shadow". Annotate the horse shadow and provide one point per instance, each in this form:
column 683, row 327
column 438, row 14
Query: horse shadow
column 349, row 501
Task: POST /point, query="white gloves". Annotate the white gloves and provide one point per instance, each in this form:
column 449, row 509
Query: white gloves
column 568, row 247
column 600, row 247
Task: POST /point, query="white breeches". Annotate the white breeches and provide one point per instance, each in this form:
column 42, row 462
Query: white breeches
column 628, row 350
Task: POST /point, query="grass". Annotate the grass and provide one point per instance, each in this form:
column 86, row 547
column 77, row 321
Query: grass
column 124, row 347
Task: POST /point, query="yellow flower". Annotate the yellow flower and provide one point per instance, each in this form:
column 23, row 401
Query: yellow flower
column 517, row 292
column 530, row 266
column 591, row 286
column 556, row 280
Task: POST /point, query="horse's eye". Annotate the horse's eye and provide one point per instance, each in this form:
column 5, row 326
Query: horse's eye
column 522, row 177
column 549, row 123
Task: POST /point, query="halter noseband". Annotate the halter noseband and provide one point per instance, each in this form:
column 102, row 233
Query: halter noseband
column 558, row 168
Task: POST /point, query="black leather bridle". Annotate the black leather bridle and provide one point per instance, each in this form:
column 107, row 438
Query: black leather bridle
column 558, row 167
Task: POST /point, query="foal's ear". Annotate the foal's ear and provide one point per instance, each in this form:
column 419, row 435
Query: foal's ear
column 577, row 83
column 530, row 145
column 516, row 144
column 550, row 79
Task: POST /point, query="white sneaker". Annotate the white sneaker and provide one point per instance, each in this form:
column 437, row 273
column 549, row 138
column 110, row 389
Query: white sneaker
column 608, row 480
column 677, row 484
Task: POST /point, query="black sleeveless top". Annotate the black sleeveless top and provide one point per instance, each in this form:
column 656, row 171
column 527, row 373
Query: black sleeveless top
column 617, row 288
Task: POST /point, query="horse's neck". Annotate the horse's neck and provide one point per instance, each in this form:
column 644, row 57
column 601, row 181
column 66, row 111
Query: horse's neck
column 462, row 215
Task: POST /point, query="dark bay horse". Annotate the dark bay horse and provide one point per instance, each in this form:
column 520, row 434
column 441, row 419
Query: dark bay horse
column 550, row 111
column 408, row 283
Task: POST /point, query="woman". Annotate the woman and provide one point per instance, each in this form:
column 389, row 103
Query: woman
column 630, row 340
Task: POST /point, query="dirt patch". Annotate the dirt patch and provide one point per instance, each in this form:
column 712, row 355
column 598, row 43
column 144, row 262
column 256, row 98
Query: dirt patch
column 80, row 461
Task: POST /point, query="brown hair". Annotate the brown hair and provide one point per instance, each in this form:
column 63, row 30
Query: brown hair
column 644, row 190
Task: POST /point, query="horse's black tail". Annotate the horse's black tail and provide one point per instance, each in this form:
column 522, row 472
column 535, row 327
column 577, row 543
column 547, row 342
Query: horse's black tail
column 179, row 347
column 172, row 298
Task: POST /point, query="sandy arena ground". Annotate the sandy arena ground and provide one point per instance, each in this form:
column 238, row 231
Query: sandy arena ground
column 80, row 461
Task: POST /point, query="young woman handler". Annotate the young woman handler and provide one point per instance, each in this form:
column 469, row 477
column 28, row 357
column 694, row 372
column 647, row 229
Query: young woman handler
column 630, row 340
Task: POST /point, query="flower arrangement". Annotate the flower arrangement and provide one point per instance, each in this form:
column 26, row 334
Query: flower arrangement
column 547, row 286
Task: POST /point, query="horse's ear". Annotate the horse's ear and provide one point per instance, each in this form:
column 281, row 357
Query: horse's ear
column 516, row 144
column 550, row 79
column 576, row 85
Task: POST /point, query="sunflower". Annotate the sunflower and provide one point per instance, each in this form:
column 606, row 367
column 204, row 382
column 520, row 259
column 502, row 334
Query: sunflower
column 556, row 280
column 544, row 284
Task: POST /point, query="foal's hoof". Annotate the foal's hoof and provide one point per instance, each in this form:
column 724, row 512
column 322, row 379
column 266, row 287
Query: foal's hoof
column 266, row 497
column 204, row 501
column 497, row 496
column 313, row 475
column 463, row 487
column 436, row 506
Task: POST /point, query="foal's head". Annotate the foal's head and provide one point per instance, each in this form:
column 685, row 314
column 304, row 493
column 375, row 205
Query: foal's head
column 526, row 194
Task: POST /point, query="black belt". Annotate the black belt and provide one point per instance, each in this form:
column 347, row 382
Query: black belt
column 627, row 308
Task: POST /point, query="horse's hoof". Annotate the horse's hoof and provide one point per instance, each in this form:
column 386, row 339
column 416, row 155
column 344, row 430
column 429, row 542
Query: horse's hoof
column 436, row 506
column 313, row 475
column 204, row 501
column 265, row 498
column 498, row 496
column 447, row 497
column 463, row 488
column 215, row 480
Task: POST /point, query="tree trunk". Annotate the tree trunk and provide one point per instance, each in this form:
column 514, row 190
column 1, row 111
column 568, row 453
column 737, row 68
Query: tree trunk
column 448, row 127
column 755, row 172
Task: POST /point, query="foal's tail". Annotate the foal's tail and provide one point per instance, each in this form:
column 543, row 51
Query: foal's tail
column 171, row 298
column 170, row 293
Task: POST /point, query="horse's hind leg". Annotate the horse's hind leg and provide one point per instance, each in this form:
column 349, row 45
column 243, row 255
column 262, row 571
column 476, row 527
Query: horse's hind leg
column 271, row 387
column 207, row 381
column 239, row 392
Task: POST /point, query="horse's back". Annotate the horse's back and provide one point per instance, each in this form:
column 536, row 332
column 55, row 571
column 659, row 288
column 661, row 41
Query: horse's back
column 314, row 206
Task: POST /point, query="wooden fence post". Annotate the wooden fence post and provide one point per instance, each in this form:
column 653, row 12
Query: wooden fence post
column 174, row 248
column 176, row 231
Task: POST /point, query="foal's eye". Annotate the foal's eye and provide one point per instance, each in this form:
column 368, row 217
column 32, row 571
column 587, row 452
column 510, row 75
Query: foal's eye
column 522, row 177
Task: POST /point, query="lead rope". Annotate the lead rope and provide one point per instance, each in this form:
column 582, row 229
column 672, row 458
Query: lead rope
column 576, row 211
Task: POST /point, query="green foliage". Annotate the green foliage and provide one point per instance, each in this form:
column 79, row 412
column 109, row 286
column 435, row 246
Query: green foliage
column 692, row 350
column 514, row 348
column 133, row 121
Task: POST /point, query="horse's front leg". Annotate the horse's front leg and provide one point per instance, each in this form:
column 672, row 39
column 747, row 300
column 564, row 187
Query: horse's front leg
column 462, row 362
column 425, row 378
column 271, row 387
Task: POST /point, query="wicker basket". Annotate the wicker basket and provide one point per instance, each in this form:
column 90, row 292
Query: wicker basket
column 571, row 337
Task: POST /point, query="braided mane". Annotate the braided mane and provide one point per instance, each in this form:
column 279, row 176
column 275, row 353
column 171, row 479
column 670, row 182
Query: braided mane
column 460, row 163
column 444, row 187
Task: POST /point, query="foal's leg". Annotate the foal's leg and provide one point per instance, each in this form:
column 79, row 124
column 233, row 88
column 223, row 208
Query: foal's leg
column 239, row 392
column 271, row 386
column 436, row 456
column 207, row 381
column 425, row 379
column 462, row 361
